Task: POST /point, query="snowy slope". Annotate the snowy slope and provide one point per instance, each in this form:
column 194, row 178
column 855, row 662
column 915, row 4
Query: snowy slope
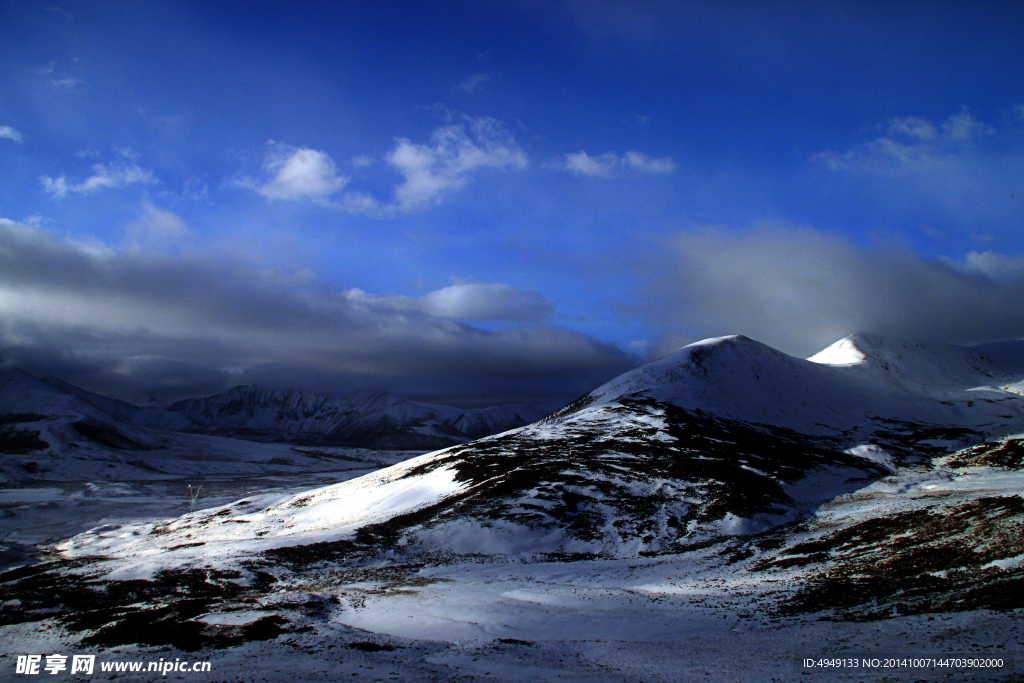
column 309, row 517
column 726, row 436
column 917, row 367
column 634, row 535
column 1009, row 354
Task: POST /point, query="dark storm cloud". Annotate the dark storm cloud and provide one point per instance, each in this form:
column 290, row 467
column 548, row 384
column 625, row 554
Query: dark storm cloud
column 174, row 326
column 800, row 289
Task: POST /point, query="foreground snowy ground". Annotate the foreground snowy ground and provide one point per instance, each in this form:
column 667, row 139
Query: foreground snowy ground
column 605, row 634
column 731, row 611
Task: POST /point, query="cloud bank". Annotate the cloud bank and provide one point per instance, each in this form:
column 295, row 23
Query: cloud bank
column 137, row 320
column 800, row 289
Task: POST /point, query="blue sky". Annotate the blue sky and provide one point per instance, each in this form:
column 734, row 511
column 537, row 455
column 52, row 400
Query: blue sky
column 493, row 201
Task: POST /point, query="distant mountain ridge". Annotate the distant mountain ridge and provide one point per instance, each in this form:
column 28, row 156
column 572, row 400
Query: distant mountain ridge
column 367, row 418
column 38, row 416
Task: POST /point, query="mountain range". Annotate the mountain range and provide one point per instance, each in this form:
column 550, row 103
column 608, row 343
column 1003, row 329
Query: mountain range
column 726, row 436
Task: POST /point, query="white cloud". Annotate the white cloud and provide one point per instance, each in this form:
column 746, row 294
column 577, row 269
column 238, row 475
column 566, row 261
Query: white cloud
column 453, row 152
column 995, row 266
column 912, row 144
column 157, row 228
column 913, row 127
column 9, row 133
column 964, row 127
column 486, row 301
column 299, row 173
column 961, row 167
column 474, row 302
column 362, row 203
column 645, row 164
column 441, row 165
column 67, row 83
column 582, row 163
column 58, row 187
column 429, row 170
column 609, row 164
column 103, row 177
column 471, row 83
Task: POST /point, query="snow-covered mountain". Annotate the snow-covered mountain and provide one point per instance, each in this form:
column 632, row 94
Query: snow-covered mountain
column 726, row 436
column 496, row 419
column 855, row 385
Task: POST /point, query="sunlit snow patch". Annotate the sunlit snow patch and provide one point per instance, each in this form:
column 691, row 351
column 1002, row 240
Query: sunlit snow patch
column 875, row 454
column 327, row 514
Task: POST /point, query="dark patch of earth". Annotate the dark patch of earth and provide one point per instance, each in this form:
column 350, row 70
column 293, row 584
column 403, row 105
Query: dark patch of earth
column 588, row 479
column 1008, row 454
column 922, row 561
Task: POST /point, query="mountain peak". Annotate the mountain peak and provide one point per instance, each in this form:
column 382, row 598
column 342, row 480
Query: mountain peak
column 665, row 378
column 846, row 351
column 913, row 363
column 837, row 389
